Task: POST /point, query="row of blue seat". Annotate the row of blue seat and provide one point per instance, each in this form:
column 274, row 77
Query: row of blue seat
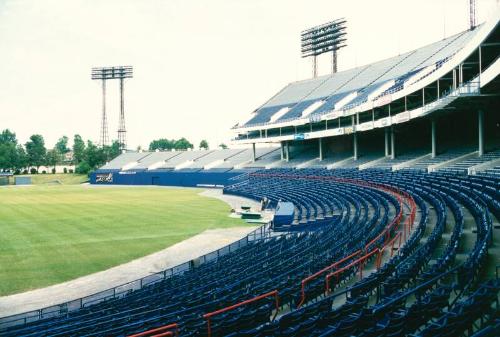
column 352, row 212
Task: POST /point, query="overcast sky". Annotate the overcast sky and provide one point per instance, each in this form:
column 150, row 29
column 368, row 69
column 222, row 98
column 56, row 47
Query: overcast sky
column 200, row 66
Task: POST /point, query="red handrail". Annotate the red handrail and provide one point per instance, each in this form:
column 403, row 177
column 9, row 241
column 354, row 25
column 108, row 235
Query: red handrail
column 161, row 330
column 359, row 261
column 165, row 334
column 394, row 224
column 207, row 316
column 313, row 276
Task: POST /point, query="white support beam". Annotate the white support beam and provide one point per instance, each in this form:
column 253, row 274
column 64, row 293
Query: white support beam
column 386, row 139
column 320, row 146
column 433, row 139
column 355, row 145
column 393, row 143
column 480, row 118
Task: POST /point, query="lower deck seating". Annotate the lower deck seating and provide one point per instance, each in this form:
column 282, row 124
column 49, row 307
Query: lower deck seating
column 343, row 214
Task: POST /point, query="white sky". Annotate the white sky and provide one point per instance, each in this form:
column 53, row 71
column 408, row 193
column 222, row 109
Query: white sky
column 200, row 66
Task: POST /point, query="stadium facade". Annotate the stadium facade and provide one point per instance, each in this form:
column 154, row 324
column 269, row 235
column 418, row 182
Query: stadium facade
column 433, row 108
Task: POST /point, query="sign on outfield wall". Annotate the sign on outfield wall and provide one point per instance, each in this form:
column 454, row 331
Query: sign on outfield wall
column 104, row 178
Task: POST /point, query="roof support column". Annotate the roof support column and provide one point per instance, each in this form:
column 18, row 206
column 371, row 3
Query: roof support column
column 287, row 150
column 355, row 145
column 480, row 63
column 460, row 74
column 320, row 146
column 481, row 132
column 354, row 138
column 282, row 151
column 393, row 143
column 454, row 78
column 253, row 152
column 386, row 136
column 433, row 138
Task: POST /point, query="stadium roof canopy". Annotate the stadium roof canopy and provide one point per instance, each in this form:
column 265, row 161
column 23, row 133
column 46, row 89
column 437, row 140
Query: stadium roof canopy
column 453, row 62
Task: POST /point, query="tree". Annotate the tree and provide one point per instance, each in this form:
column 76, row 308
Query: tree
column 164, row 144
column 78, row 149
column 52, row 157
column 21, row 158
column 35, row 148
column 62, row 145
column 183, row 144
column 7, row 156
column 223, row 146
column 94, row 156
column 111, row 152
column 83, row 168
column 203, row 145
column 8, row 143
column 8, row 136
column 161, row 144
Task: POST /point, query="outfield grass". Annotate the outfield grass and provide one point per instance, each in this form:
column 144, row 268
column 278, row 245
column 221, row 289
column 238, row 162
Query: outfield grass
column 51, row 234
column 57, row 179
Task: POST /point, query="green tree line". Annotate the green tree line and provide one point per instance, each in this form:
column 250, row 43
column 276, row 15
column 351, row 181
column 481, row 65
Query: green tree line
column 86, row 156
column 164, row 144
column 28, row 157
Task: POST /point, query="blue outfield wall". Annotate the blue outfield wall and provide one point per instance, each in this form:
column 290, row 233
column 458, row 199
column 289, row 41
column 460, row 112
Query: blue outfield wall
column 166, row 178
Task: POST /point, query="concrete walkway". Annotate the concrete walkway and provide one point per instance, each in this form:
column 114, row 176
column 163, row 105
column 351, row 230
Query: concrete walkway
column 179, row 253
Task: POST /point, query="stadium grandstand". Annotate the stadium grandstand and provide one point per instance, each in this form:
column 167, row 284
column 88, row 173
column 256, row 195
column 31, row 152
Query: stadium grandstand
column 392, row 171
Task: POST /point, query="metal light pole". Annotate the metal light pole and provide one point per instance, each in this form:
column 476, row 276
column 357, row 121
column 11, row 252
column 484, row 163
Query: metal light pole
column 325, row 38
column 111, row 73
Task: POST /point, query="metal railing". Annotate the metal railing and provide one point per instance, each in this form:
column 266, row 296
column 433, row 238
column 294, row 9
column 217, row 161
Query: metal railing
column 123, row 290
column 466, row 89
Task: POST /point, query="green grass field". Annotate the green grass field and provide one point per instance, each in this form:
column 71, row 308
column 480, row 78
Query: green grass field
column 51, row 234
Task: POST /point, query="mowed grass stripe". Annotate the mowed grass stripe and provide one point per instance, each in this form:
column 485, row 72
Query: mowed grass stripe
column 52, row 234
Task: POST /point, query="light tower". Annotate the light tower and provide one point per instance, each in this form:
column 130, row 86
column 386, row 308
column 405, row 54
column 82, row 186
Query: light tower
column 112, row 73
column 325, row 38
column 472, row 14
